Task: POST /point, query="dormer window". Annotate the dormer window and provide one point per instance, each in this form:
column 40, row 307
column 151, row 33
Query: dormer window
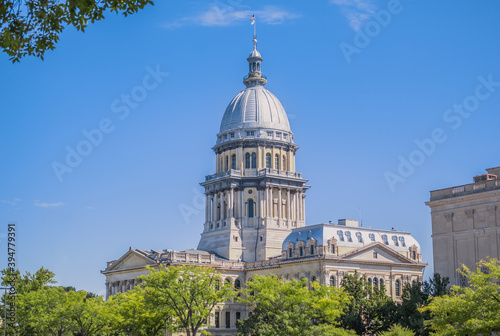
column 225, row 136
column 284, row 135
column 384, row 238
column 278, row 134
column 250, row 133
column 312, row 249
column 371, row 236
column 232, row 135
column 341, row 235
column 290, row 252
column 301, row 251
column 395, row 240
column 402, row 240
column 359, row 236
column 348, row 235
column 269, row 134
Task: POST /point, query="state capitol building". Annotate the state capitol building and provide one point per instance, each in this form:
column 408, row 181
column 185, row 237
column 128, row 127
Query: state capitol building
column 255, row 216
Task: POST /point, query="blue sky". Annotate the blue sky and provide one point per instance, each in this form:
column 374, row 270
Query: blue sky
column 364, row 82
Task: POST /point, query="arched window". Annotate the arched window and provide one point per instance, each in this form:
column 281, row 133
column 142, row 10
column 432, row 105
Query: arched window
column 250, row 208
column 332, row 281
column 283, row 167
column 254, row 160
column 371, row 236
column 402, row 240
column 233, row 161
column 359, row 236
column 384, row 238
column 341, row 235
column 381, row 282
column 370, row 281
column 348, row 236
column 237, row 284
column 268, row 160
column 375, row 282
column 277, row 162
column 247, row 160
column 398, row 288
column 395, row 240
column 227, row 163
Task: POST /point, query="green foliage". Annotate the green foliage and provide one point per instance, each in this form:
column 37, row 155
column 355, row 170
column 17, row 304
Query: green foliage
column 288, row 307
column 370, row 310
column 410, row 313
column 437, row 285
column 188, row 293
column 397, row 330
column 470, row 310
column 329, row 330
column 31, row 27
column 133, row 314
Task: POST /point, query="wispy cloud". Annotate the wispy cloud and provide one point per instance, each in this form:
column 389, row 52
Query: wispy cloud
column 357, row 12
column 217, row 16
column 48, row 205
column 13, row 202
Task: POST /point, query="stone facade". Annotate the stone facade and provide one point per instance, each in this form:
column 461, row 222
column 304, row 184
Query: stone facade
column 465, row 227
column 255, row 217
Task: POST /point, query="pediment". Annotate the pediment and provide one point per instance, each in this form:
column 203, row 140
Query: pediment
column 383, row 254
column 131, row 259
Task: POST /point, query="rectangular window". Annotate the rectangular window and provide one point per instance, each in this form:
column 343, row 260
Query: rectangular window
column 217, row 319
column 232, row 134
column 375, row 255
column 250, row 133
column 238, row 315
column 270, row 134
column 225, row 136
column 278, row 134
column 228, row 320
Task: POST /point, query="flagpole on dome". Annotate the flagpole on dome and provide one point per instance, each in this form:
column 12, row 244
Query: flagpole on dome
column 252, row 22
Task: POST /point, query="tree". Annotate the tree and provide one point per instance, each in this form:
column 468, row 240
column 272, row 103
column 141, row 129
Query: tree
column 370, row 310
column 288, row 307
column 47, row 310
column 329, row 330
column 470, row 310
column 133, row 314
column 24, row 284
column 31, row 27
column 410, row 314
column 397, row 330
column 189, row 293
column 437, row 285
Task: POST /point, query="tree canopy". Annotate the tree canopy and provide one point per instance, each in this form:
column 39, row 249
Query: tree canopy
column 289, row 307
column 470, row 310
column 31, row 27
column 188, row 293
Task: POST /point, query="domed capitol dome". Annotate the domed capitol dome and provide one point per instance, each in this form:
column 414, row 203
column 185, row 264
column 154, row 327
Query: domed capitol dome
column 255, row 108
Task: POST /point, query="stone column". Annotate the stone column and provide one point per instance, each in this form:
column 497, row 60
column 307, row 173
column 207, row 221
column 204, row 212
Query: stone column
column 279, row 203
column 288, row 204
column 304, row 206
column 231, row 204
column 207, row 208
column 214, row 207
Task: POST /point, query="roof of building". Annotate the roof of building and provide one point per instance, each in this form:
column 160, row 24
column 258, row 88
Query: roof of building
column 351, row 236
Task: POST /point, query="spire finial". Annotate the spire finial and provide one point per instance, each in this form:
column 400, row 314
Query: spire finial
column 255, row 76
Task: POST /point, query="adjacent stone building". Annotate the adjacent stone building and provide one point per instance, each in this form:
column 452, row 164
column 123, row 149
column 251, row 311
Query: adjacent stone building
column 255, row 216
column 465, row 228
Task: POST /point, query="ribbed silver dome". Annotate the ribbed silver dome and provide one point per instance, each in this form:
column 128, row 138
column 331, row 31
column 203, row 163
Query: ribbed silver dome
column 255, row 108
